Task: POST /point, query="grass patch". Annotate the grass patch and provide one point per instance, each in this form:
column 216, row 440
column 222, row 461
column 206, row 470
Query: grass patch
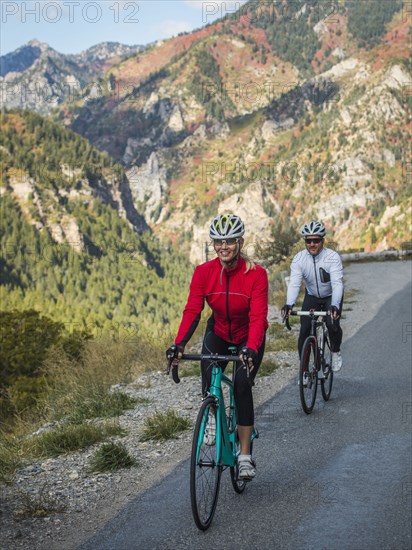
column 69, row 438
column 9, row 458
column 268, row 367
column 352, row 293
column 81, row 389
column 282, row 343
column 40, row 505
column 191, row 368
column 110, row 458
column 76, row 389
column 280, row 339
column 102, row 405
column 163, row 426
column 293, row 320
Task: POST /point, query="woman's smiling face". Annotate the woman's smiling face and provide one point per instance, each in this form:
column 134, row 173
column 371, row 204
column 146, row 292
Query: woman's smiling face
column 227, row 249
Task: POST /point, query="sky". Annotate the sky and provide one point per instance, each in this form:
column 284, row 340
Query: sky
column 71, row 26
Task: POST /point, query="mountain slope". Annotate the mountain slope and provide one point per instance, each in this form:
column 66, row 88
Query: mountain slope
column 54, row 166
column 38, row 78
column 72, row 246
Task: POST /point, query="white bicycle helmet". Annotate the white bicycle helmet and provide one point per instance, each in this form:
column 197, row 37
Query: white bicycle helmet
column 226, row 226
column 313, row 228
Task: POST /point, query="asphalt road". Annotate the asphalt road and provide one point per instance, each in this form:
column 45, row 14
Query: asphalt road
column 340, row 478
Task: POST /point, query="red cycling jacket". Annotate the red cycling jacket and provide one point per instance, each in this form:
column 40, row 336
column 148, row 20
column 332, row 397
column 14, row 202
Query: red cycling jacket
column 239, row 302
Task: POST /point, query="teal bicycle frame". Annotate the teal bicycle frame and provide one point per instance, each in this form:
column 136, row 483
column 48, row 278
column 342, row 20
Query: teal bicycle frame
column 226, row 436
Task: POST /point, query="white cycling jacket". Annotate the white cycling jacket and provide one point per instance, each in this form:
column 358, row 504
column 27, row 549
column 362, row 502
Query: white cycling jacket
column 313, row 270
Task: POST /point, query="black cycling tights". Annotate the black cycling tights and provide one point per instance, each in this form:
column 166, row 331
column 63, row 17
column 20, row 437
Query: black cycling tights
column 242, row 386
column 335, row 330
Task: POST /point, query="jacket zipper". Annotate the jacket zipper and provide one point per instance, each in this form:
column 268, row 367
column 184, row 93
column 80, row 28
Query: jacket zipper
column 227, row 308
column 316, row 277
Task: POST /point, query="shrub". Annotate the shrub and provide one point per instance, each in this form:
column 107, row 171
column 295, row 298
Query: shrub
column 280, row 339
column 80, row 390
column 163, row 426
column 39, row 505
column 268, row 367
column 68, row 438
column 101, row 405
column 111, row 457
column 9, row 457
column 26, row 339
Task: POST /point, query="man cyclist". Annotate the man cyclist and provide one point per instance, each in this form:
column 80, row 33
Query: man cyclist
column 322, row 271
column 236, row 289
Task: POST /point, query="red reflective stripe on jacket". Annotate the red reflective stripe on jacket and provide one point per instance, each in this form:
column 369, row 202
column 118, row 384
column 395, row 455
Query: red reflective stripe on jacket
column 239, row 302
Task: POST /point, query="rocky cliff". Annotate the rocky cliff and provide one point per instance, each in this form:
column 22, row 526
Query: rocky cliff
column 38, row 78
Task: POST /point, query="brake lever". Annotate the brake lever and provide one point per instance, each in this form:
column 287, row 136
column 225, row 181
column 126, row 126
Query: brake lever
column 175, row 374
column 246, row 363
column 169, row 364
column 287, row 323
column 175, row 368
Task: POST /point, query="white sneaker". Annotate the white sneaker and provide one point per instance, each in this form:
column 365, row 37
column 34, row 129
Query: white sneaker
column 210, row 431
column 247, row 468
column 305, row 380
column 336, row 361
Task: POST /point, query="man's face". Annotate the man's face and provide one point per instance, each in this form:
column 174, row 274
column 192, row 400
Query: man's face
column 314, row 244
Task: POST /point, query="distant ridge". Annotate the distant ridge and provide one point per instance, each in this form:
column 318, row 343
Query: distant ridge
column 38, row 78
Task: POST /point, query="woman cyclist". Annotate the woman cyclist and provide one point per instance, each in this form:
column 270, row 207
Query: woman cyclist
column 236, row 289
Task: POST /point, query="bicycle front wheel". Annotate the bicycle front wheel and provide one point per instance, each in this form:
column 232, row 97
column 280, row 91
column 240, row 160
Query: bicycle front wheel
column 308, row 376
column 326, row 383
column 205, row 473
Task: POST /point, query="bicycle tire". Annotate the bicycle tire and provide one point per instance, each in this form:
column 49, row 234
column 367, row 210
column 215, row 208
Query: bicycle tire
column 205, row 473
column 308, row 372
column 327, row 382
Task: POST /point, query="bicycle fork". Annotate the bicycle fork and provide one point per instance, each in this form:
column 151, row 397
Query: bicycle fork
column 224, row 454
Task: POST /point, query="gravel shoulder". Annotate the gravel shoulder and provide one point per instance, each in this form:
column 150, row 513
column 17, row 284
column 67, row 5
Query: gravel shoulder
column 90, row 500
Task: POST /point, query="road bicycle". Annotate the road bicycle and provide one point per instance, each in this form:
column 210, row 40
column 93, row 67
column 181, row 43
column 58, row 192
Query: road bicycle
column 215, row 445
column 316, row 360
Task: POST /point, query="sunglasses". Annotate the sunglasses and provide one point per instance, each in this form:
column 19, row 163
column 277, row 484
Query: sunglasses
column 313, row 241
column 229, row 242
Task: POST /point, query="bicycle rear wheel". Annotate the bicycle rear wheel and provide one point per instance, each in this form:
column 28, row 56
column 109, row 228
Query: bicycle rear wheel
column 205, row 473
column 239, row 485
column 326, row 383
column 308, row 376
